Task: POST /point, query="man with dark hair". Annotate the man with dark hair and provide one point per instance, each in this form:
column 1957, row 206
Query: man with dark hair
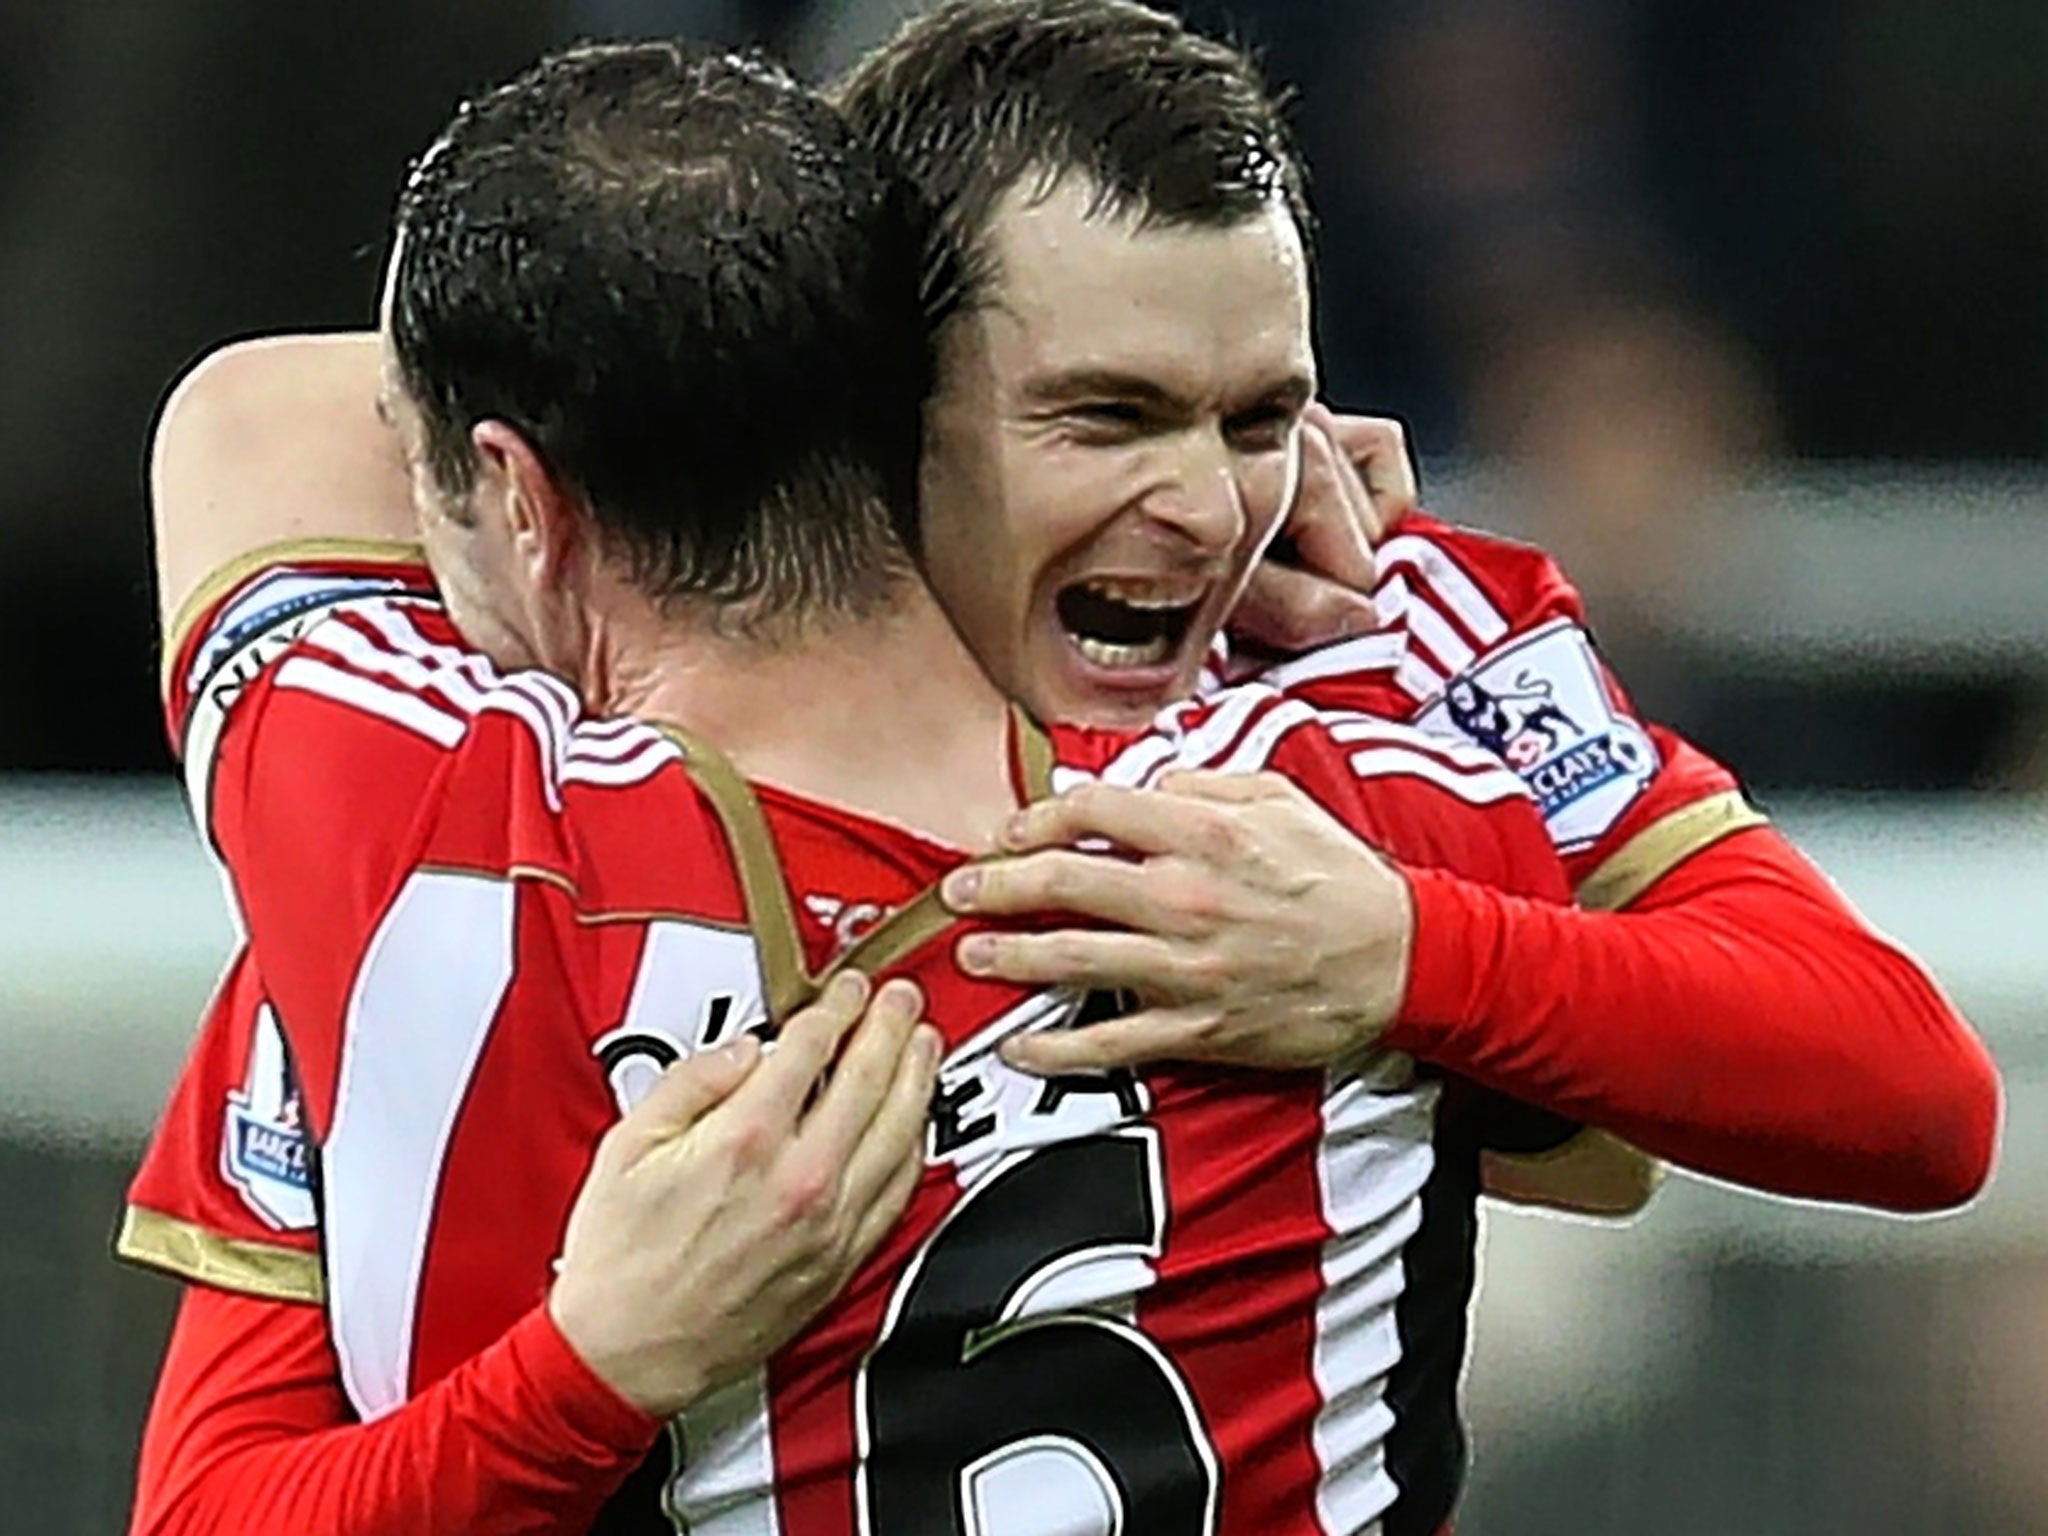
column 1176, row 438
column 451, row 880
column 1061, row 155
column 485, row 908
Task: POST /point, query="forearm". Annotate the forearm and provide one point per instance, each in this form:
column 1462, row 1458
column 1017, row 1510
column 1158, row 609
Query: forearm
column 1740, row 1020
column 249, row 1433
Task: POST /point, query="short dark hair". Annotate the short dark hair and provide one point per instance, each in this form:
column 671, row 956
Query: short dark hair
column 975, row 97
column 681, row 278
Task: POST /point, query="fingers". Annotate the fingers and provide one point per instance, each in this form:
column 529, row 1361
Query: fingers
column 1227, row 788
column 1097, row 885
column 1135, row 819
column 1080, row 957
column 888, row 1203
column 787, row 1077
column 1154, row 1034
column 882, row 1169
column 683, row 1095
column 1332, row 522
column 1378, row 447
column 864, row 1073
column 1289, row 610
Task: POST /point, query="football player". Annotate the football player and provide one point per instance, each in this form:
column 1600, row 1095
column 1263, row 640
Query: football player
column 1736, row 1017
column 497, row 881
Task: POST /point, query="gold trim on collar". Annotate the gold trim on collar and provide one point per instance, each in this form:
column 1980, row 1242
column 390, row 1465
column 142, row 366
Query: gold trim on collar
column 225, row 578
column 925, row 916
column 1663, row 845
column 771, row 915
column 1033, row 755
column 269, row 1270
column 909, row 928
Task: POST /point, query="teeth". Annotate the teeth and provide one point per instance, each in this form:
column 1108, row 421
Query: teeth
column 1133, row 594
column 1105, row 654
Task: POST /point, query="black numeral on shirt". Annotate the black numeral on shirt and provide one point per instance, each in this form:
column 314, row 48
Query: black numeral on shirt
column 981, row 1421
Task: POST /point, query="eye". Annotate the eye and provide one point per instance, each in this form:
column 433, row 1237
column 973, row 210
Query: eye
column 1263, row 430
column 1108, row 413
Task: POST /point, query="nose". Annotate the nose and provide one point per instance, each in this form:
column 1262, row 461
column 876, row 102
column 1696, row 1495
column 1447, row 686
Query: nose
column 1198, row 498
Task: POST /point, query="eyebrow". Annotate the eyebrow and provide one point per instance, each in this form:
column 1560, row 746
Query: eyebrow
column 1296, row 389
column 1074, row 383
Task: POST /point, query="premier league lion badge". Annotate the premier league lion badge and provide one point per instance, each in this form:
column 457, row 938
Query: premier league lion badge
column 1540, row 703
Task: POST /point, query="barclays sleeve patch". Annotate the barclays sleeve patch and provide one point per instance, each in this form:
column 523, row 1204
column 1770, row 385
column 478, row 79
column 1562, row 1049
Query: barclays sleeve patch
column 1541, row 704
column 265, row 1151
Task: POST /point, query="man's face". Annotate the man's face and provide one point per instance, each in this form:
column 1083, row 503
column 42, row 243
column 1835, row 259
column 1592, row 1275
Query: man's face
column 1112, row 441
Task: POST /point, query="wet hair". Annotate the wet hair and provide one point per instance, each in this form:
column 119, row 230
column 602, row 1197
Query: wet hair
column 690, row 288
column 976, row 97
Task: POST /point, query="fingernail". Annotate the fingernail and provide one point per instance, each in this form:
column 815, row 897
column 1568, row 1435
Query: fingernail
column 977, row 953
column 852, row 986
column 1012, row 835
column 962, row 887
column 930, row 1044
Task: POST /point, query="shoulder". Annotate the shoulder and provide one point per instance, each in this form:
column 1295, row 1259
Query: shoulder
column 1484, row 585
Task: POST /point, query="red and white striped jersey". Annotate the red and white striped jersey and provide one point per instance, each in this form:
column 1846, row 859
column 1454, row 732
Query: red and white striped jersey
column 1185, row 1300
column 1485, row 642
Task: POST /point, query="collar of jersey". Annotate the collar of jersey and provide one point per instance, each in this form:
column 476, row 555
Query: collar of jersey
column 787, row 982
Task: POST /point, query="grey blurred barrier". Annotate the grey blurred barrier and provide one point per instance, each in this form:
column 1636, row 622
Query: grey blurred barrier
column 1728, row 1365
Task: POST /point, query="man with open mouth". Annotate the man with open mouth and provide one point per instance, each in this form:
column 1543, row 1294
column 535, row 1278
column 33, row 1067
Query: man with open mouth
column 1113, row 435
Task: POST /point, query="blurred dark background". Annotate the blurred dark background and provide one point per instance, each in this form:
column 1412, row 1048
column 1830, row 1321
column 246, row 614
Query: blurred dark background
column 1634, row 257
column 1742, row 310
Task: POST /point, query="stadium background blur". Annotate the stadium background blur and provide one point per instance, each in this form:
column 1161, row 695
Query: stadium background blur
column 1743, row 311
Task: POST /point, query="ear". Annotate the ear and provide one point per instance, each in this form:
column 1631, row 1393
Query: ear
column 544, row 518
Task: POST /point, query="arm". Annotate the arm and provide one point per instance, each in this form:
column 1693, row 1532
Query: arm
column 719, row 1215
column 249, row 1431
column 270, row 443
column 1738, row 1018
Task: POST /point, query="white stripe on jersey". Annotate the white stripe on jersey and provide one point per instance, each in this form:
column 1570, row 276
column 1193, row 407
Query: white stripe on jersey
column 1418, row 679
column 461, row 686
column 1376, row 1156
column 1227, row 721
column 728, row 1464
column 1133, row 767
column 1352, row 727
column 359, row 692
column 643, row 765
column 1429, row 629
column 1368, row 653
column 1447, row 583
column 608, row 752
column 1260, row 742
column 1472, row 788
column 423, row 1004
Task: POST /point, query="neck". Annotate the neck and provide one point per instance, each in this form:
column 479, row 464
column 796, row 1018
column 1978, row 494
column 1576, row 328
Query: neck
column 886, row 714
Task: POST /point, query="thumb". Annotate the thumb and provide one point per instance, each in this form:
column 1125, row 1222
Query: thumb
column 1288, row 611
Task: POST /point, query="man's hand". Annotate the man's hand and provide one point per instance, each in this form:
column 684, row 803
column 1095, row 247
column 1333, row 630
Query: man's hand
column 1255, row 929
column 1357, row 482
column 742, row 1193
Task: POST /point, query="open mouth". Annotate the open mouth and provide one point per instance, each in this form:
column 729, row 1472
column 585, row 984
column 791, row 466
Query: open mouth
column 1117, row 623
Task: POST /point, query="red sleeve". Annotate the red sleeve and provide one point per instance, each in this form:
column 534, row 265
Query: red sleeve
column 250, row 1434
column 252, row 609
column 224, row 1194
column 1739, row 1020
column 1486, row 643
